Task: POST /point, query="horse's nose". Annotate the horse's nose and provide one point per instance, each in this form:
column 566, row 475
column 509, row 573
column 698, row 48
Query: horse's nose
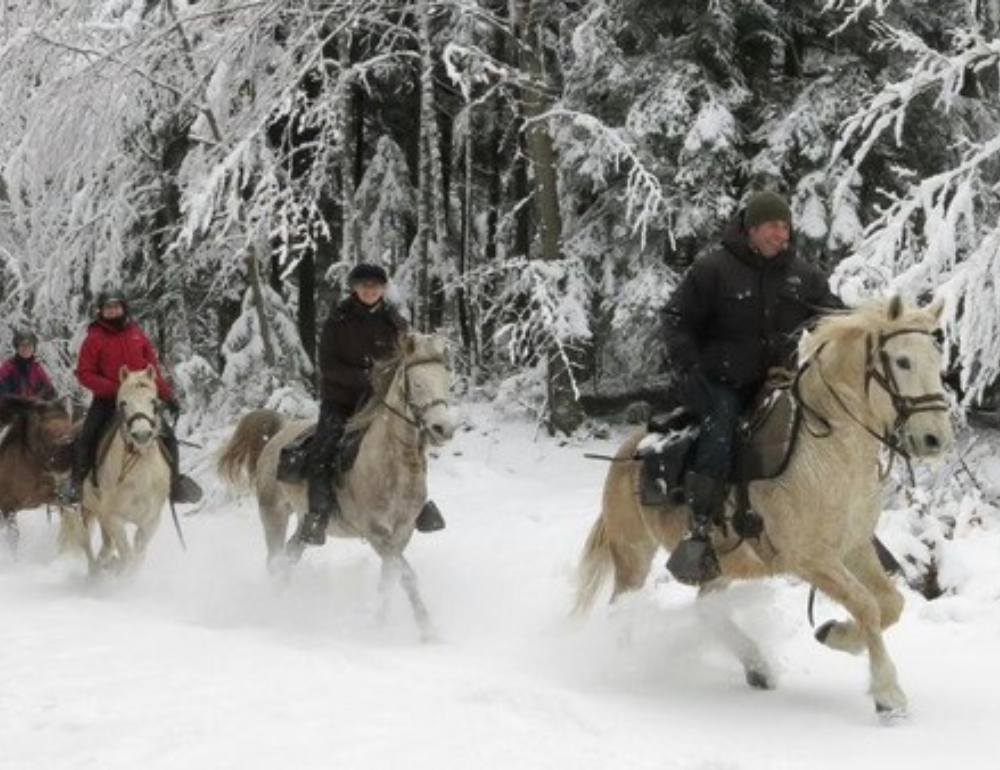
column 932, row 444
column 142, row 436
column 441, row 430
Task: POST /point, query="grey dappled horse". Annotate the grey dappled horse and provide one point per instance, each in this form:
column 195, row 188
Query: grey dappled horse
column 382, row 494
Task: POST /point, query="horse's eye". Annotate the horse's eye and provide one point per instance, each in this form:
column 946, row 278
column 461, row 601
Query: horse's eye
column 938, row 335
column 903, row 363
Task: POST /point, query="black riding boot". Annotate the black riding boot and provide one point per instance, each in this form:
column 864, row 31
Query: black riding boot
column 183, row 489
column 694, row 561
column 322, row 508
column 430, row 518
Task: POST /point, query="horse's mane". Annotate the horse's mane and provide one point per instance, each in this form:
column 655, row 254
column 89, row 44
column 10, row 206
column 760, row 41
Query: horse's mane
column 873, row 317
column 15, row 413
column 409, row 348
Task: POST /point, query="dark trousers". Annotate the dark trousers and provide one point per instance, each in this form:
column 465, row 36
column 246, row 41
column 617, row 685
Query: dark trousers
column 326, row 440
column 99, row 416
column 321, row 460
column 718, row 408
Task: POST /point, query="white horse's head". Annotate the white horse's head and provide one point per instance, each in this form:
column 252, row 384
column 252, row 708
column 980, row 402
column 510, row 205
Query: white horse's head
column 427, row 386
column 894, row 353
column 138, row 405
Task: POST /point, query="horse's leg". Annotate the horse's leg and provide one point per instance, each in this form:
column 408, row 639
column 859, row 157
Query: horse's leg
column 388, row 577
column 11, row 532
column 864, row 564
column 715, row 614
column 408, row 578
column 837, row 582
column 143, row 535
column 632, row 562
column 117, row 538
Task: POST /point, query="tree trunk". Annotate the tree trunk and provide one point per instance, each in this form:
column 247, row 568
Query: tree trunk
column 260, row 305
column 345, row 146
column 565, row 414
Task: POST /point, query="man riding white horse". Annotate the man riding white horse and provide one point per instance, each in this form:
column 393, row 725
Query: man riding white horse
column 359, row 331
column 736, row 313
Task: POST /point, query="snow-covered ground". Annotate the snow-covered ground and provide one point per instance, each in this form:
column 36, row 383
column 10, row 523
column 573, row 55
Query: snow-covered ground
column 203, row 662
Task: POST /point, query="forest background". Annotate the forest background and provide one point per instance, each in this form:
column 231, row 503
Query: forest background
column 535, row 175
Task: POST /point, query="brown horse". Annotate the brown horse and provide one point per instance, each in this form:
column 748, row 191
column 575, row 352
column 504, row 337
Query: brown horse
column 34, row 448
column 382, row 494
column 869, row 379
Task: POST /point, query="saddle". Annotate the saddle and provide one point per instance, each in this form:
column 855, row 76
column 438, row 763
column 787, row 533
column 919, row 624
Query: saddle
column 765, row 440
column 294, row 456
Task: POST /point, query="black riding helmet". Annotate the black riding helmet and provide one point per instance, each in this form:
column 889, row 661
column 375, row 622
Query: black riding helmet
column 366, row 271
column 25, row 335
column 110, row 296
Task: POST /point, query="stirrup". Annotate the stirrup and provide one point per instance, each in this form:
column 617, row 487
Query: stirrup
column 429, row 519
column 694, row 562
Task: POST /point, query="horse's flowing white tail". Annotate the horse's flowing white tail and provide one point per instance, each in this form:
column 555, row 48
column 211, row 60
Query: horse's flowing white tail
column 595, row 566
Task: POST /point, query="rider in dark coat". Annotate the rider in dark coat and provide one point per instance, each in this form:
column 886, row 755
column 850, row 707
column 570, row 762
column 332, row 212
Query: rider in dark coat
column 737, row 313
column 23, row 374
column 115, row 341
column 363, row 329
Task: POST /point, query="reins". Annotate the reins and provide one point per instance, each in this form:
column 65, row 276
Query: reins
column 418, row 410
column 904, row 406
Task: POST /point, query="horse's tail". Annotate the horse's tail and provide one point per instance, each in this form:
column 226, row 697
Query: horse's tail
column 237, row 463
column 595, row 566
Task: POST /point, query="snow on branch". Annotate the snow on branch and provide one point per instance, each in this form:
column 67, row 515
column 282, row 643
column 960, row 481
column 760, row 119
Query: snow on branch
column 644, row 198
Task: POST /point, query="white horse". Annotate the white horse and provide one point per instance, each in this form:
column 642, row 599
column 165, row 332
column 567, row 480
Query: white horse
column 870, row 379
column 132, row 479
column 383, row 493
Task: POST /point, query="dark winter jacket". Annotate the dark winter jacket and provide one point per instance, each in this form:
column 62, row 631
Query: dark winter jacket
column 106, row 349
column 353, row 337
column 735, row 313
column 25, row 377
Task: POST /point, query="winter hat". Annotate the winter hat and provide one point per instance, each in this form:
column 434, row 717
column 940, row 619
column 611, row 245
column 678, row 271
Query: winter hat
column 766, row 207
column 366, row 271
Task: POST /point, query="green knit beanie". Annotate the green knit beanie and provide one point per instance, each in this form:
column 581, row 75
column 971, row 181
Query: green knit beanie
column 766, row 207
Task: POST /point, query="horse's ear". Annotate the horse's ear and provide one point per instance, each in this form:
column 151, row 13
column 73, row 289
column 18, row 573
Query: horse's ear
column 408, row 344
column 150, row 372
column 122, row 374
column 936, row 308
column 895, row 309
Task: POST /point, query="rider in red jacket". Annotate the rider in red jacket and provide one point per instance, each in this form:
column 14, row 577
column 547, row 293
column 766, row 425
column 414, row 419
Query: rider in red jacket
column 114, row 341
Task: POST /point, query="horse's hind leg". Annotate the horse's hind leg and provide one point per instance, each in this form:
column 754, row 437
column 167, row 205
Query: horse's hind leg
column 715, row 614
column 11, row 533
column 839, row 584
column 632, row 562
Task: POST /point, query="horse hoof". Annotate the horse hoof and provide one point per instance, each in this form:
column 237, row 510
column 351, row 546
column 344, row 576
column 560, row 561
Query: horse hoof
column 824, row 631
column 759, row 680
column 891, row 716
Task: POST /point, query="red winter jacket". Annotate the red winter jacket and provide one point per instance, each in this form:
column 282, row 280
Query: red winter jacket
column 106, row 349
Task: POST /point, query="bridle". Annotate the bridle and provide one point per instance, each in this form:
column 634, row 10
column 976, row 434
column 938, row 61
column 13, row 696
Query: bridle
column 127, row 423
column 418, row 411
column 904, row 406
